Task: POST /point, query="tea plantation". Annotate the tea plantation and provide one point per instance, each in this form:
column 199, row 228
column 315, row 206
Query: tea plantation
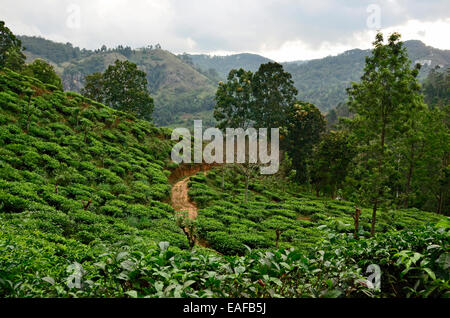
column 84, row 212
column 228, row 225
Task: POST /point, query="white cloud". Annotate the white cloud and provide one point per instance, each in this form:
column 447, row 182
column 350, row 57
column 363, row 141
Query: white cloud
column 280, row 29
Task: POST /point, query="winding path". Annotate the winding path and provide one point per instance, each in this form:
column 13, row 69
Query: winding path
column 180, row 198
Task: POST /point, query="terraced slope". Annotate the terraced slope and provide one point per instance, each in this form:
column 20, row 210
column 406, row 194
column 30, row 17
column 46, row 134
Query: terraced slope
column 74, row 169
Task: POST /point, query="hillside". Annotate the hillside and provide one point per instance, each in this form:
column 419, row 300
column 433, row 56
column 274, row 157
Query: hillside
column 80, row 169
column 84, row 187
column 323, row 81
column 184, row 86
column 179, row 90
column 223, row 64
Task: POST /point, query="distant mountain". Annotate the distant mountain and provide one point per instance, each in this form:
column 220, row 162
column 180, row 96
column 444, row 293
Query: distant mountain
column 223, row 64
column 180, row 91
column 323, row 82
column 184, row 86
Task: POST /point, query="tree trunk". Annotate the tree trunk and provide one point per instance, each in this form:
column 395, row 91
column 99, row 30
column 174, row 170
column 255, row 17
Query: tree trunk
column 374, row 217
column 409, row 178
column 247, row 180
column 408, row 185
column 223, row 178
column 278, row 234
column 356, row 219
column 440, row 201
column 378, row 185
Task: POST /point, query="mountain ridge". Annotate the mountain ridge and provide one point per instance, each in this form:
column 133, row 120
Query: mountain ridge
column 184, row 85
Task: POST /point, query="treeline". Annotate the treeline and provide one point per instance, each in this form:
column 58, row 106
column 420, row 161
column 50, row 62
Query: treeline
column 55, row 52
column 392, row 153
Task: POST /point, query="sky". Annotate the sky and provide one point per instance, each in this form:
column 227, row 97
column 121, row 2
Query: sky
column 283, row 30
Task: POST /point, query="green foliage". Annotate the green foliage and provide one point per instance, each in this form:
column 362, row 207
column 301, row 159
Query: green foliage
column 387, row 97
column 235, row 100
column 303, row 130
column 274, row 94
column 44, row 72
column 262, row 100
column 123, row 87
column 437, row 87
column 11, row 55
column 412, row 264
column 330, row 163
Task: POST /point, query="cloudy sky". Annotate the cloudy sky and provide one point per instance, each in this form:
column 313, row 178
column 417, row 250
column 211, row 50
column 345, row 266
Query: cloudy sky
column 284, row 30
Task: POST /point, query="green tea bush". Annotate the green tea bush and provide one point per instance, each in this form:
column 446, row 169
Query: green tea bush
column 225, row 243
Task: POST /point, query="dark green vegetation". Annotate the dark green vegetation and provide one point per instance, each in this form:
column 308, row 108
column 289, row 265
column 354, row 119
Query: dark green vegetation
column 84, row 191
column 78, row 170
column 10, row 49
column 274, row 205
column 81, row 183
column 122, row 87
column 223, row 64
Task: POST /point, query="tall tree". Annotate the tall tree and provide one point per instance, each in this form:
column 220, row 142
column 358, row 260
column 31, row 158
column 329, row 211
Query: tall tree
column 275, row 95
column 122, row 86
column 234, row 108
column 235, row 101
column 11, row 55
column 305, row 124
column 94, row 87
column 330, row 162
column 437, row 87
column 387, row 96
column 431, row 185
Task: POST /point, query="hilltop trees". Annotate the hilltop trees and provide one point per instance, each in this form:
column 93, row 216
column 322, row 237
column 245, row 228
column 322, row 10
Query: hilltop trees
column 11, row 55
column 266, row 99
column 385, row 99
column 123, row 87
column 94, row 87
column 262, row 100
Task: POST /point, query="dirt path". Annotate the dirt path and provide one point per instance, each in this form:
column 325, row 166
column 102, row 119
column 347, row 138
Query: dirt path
column 180, row 199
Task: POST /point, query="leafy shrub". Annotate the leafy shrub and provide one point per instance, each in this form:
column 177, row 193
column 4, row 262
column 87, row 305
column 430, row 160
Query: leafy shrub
column 224, row 243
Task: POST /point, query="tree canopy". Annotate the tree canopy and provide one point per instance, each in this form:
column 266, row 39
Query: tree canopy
column 122, row 86
column 11, row 55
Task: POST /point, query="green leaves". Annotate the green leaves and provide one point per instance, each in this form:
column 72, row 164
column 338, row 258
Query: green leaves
column 122, row 86
column 11, row 55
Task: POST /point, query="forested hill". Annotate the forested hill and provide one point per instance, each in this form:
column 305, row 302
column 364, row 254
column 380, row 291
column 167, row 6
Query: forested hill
column 184, row 86
column 179, row 90
column 323, row 81
column 223, row 64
